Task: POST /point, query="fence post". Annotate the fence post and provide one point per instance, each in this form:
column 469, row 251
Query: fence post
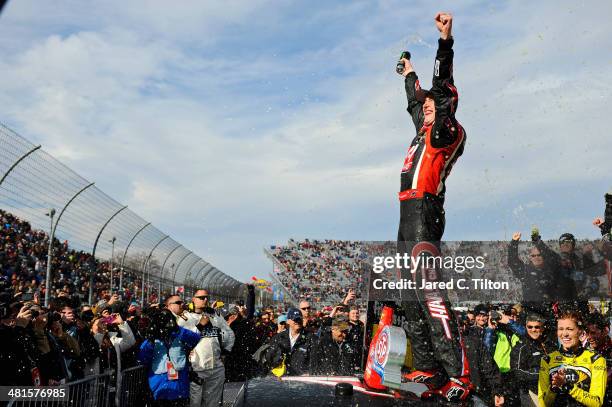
column 189, row 272
column 176, row 269
column 93, row 254
column 145, row 267
column 162, row 271
column 125, row 253
column 52, row 236
column 16, row 163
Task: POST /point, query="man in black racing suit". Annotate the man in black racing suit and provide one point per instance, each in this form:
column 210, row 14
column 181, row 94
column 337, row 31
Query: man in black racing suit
column 437, row 347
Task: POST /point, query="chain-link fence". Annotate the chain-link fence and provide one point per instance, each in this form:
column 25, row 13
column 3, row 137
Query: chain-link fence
column 122, row 250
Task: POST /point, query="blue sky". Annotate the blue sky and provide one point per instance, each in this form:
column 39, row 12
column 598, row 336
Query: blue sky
column 234, row 125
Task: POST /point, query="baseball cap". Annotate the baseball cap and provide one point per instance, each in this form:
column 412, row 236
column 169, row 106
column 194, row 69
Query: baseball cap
column 567, row 237
column 101, row 307
column 421, row 94
column 294, row 314
column 281, row 318
column 480, row 309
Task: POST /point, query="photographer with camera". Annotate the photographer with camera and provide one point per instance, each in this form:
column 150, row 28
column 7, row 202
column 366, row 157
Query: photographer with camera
column 484, row 373
column 57, row 346
column 501, row 335
column 19, row 355
column 165, row 352
column 87, row 362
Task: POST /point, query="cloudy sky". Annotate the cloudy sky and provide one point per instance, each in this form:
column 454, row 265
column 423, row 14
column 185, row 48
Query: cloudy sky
column 238, row 124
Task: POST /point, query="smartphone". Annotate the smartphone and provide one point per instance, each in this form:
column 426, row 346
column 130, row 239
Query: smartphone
column 108, row 320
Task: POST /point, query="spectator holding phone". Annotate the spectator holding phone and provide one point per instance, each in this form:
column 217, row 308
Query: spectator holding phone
column 106, row 332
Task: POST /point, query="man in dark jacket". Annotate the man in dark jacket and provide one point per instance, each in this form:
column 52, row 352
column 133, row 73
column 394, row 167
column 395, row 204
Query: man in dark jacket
column 581, row 267
column 89, row 348
column 605, row 226
column 355, row 337
column 484, row 374
column 332, row 355
column 239, row 365
column 18, row 353
column 541, row 279
column 293, row 345
column 525, row 360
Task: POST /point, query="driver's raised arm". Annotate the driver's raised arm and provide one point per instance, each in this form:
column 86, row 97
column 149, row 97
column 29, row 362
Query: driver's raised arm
column 411, row 83
column 445, row 93
column 443, row 68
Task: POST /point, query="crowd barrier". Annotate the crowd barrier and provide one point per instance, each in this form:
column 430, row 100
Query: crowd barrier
column 99, row 391
column 131, row 387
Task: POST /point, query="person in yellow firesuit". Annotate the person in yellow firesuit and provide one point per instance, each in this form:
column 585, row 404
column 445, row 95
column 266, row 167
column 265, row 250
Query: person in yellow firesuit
column 572, row 375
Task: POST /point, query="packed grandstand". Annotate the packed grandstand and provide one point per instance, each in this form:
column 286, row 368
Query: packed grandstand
column 321, row 271
column 23, row 259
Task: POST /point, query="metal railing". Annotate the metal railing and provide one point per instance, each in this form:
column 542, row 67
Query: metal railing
column 41, row 190
column 92, row 391
column 132, row 387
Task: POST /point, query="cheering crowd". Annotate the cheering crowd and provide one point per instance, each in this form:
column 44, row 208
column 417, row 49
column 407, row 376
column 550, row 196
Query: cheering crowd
column 189, row 349
column 551, row 349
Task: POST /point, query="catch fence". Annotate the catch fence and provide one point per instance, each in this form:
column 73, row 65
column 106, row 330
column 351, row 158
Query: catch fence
column 126, row 249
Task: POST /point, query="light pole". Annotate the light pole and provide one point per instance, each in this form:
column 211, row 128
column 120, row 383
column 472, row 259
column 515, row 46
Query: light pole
column 50, row 214
column 112, row 242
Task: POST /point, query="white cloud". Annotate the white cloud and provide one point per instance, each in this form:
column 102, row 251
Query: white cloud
column 138, row 100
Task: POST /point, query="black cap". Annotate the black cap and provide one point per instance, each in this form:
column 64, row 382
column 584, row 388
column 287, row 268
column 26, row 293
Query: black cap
column 567, row 237
column 480, row 309
column 421, row 94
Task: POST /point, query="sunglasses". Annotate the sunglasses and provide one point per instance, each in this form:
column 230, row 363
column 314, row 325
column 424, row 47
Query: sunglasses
column 534, row 326
column 306, row 309
column 201, row 297
column 177, row 303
